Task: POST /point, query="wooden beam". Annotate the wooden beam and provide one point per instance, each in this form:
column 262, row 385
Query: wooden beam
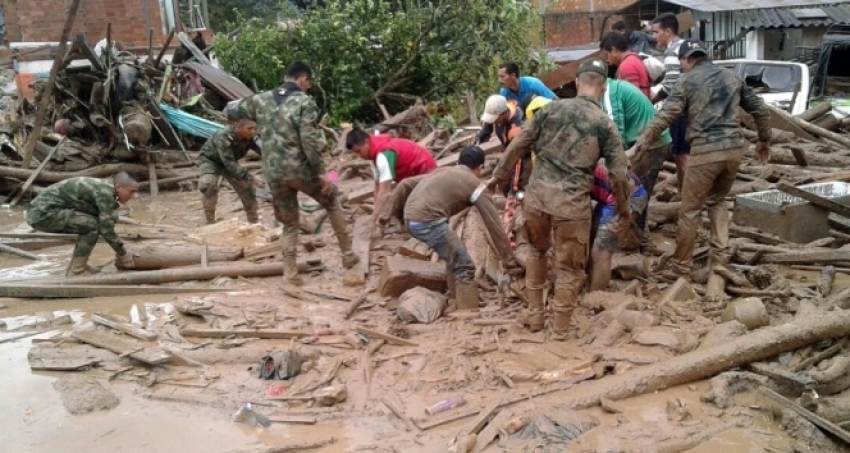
column 821, row 422
column 24, row 290
column 135, row 349
column 193, row 49
column 391, row 339
column 34, row 174
column 51, row 82
column 205, row 332
column 817, row 200
column 114, row 323
column 18, row 252
column 164, row 49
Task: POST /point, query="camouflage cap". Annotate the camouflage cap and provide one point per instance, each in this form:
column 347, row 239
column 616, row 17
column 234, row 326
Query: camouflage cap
column 593, row 65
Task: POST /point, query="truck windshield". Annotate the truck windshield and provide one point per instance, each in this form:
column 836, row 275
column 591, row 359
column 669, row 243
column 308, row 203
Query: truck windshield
column 776, row 78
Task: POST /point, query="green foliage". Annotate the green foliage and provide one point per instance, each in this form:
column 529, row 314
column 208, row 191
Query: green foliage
column 363, row 50
column 225, row 14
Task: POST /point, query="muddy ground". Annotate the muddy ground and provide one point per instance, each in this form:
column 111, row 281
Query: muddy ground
column 188, row 409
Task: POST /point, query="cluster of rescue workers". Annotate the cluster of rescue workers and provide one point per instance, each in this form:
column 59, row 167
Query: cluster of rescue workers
column 560, row 156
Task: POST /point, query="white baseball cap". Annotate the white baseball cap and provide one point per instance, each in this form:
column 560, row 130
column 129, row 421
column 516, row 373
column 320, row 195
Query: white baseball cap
column 495, row 106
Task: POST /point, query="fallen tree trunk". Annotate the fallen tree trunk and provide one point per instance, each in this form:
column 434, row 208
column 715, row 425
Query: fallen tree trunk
column 811, row 128
column 185, row 274
column 759, row 345
column 781, row 155
column 101, row 171
column 149, row 257
column 52, row 291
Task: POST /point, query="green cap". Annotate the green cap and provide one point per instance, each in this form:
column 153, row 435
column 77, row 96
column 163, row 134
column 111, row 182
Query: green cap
column 593, row 65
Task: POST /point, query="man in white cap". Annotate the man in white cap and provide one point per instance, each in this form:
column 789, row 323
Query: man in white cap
column 505, row 118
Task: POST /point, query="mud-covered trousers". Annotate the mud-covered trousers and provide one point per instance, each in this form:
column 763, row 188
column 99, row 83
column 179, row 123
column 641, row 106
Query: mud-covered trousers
column 572, row 246
column 66, row 221
column 208, row 186
column 440, row 238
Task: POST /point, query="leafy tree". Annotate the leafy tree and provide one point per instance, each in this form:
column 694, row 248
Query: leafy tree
column 364, row 51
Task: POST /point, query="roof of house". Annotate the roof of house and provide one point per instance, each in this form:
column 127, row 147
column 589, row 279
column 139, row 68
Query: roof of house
column 731, row 5
column 823, row 15
column 565, row 54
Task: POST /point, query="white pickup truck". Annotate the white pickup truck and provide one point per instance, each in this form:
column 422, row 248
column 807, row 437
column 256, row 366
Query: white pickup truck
column 775, row 81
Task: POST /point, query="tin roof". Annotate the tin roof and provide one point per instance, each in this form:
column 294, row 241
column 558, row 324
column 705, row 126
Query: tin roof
column 562, row 55
column 822, row 15
column 735, row 5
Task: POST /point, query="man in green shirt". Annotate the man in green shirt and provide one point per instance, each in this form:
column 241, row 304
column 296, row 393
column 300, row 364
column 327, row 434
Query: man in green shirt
column 631, row 112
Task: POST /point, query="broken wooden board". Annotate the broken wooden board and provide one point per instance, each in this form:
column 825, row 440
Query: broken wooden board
column 67, row 357
column 122, row 326
column 138, row 350
column 400, row 274
column 293, row 419
column 391, row 339
column 486, row 415
column 821, row 422
column 59, row 291
column 486, row 437
column 832, row 256
column 206, row 332
column 838, row 222
column 38, row 244
column 817, row 200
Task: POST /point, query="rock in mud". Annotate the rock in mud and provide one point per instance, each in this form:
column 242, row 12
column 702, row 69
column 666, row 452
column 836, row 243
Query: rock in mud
column 420, row 305
column 729, row 384
column 83, row 394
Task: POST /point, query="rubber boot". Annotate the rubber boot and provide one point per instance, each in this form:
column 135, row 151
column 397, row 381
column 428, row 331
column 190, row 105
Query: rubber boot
column 340, row 227
column 79, row 266
column 252, row 216
column 561, row 325
column 210, row 217
column 535, row 282
column 467, row 295
column 451, row 283
column 289, row 243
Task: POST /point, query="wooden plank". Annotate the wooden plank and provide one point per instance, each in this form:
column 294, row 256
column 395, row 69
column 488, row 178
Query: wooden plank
column 756, row 235
column 164, row 49
column 114, row 323
column 21, row 253
column 83, row 46
column 398, row 413
column 68, row 237
column 354, row 305
column 34, row 174
column 293, row 419
column 206, row 332
column 60, row 291
column 486, row 415
column 193, row 49
column 386, row 337
column 152, row 355
column 362, row 244
column 487, row 436
column 833, row 256
column 47, row 95
column 839, row 222
column 821, row 422
column 823, row 355
column 832, row 206
column 152, row 177
column 38, row 244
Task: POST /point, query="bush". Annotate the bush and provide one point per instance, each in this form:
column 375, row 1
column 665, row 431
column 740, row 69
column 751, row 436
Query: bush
column 367, row 50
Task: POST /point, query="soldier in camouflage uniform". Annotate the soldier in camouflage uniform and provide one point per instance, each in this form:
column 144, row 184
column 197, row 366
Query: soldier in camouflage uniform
column 569, row 136
column 292, row 160
column 709, row 95
column 220, row 157
column 87, row 207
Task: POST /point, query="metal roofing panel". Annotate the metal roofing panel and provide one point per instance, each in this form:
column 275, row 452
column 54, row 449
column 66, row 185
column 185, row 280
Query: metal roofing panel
column 228, row 87
column 562, row 55
column 791, row 17
column 738, row 5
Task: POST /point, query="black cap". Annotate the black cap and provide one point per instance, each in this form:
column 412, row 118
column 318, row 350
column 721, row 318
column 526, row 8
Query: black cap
column 472, row 157
column 691, row 47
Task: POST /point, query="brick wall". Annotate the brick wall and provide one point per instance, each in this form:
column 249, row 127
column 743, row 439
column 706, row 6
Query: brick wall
column 568, row 22
column 574, row 29
column 42, row 20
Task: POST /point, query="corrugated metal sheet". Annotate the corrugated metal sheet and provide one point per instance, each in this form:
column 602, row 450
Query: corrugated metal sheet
column 225, row 85
column 823, row 16
column 566, row 55
column 566, row 73
column 731, row 5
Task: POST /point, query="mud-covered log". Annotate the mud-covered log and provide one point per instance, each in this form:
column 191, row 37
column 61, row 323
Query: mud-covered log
column 26, row 290
column 100, row 171
column 759, row 345
column 147, row 257
column 184, row 274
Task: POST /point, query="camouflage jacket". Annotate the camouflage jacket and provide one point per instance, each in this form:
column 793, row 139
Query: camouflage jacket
column 709, row 95
column 569, row 137
column 92, row 196
column 221, row 153
column 291, row 141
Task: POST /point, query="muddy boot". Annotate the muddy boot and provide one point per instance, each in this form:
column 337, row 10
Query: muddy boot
column 289, row 244
column 561, row 326
column 535, row 282
column 451, row 283
column 210, row 217
column 340, row 227
column 252, row 215
column 467, row 295
column 79, row 266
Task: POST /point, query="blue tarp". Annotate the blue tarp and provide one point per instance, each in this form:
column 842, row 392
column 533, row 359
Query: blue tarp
column 188, row 123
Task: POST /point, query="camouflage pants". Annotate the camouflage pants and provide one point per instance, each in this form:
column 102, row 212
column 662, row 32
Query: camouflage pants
column 572, row 246
column 286, row 211
column 66, row 221
column 208, row 186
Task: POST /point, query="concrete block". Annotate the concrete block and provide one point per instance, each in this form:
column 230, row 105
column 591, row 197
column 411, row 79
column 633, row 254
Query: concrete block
column 789, row 217
column 401, row 273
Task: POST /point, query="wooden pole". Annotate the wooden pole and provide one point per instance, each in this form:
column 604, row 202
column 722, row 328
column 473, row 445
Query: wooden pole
column 164, row 48
column 34, row 174
column 21, row 253
column 811, row 128
column 51, row 82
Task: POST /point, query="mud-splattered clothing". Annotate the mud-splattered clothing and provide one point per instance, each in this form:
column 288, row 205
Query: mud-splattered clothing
column 84, row 206
column 220, row 157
